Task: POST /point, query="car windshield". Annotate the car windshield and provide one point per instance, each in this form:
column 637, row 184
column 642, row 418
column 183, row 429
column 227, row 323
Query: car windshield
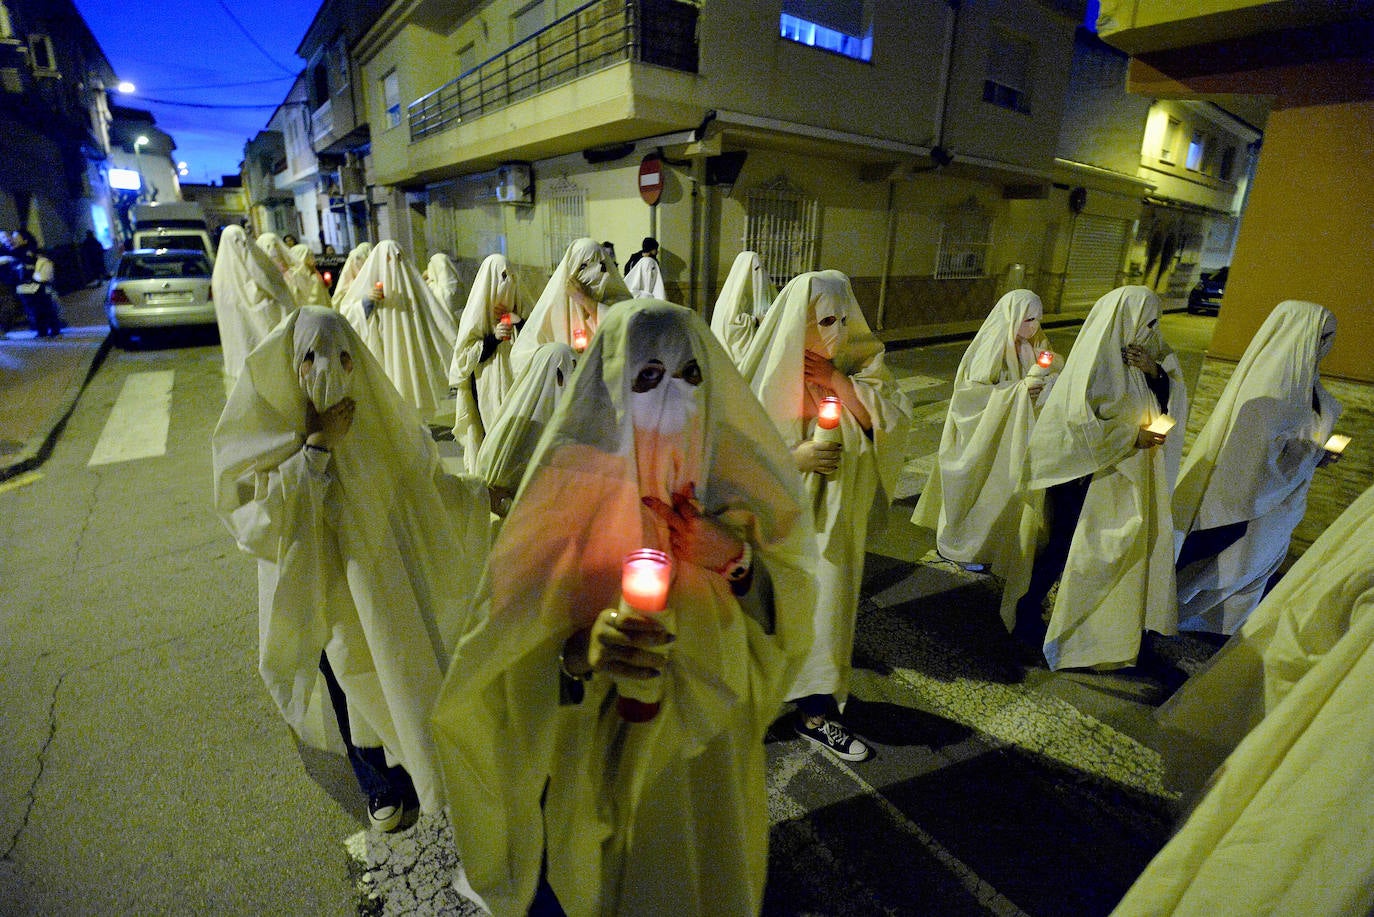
column 174, row 240
column 150, row 265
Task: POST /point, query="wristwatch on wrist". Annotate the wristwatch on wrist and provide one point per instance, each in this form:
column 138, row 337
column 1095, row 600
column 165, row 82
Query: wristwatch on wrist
column 738, row 568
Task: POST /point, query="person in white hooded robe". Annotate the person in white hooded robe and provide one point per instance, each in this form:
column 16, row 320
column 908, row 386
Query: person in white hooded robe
column 305, row 281
column 576, row 299
column 349, row 272
column 974, row 499
column 367, row 552
column 517, row 429
column 1284, row 827
column 1108, row 483
column 251, row 297
column 743, row 302
column 645, row 279
column 814, row 342
column 277, row 250
column 406, row 329
column 1243, row 487
column 446, row 284
column 658, row 444
column 481, row 372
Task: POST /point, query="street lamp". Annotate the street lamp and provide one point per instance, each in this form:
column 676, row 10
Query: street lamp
column 139, row 143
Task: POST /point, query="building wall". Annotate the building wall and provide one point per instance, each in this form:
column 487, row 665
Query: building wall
column 1307, row 232
column 1102, row 125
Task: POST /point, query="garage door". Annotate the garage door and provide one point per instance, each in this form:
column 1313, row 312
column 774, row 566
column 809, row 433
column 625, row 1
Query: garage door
column 1094, row 260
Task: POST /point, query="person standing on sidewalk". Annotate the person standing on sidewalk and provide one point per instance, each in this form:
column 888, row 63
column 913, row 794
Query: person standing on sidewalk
column 35, row 287
column 813, row 343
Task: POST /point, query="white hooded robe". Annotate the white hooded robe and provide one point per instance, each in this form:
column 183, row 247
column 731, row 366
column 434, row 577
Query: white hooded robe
column 841, row 502
column 584, row 286
column 480, row 385
column 1253, row 462
column 251, row 297
column 668, row 816
column 743, row 302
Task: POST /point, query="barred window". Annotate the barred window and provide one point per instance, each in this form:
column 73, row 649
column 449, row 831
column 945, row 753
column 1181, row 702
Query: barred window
column 965, row 243
column 783, row 228
column 565, row 217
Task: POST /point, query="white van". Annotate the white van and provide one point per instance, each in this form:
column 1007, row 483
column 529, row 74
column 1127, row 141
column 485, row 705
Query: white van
column 178, row 224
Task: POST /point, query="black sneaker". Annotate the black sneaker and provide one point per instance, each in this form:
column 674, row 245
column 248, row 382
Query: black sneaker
column 385, row 812
column 834, row 738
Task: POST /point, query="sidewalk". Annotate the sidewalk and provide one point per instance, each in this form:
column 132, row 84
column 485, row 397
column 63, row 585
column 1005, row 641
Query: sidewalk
column 40, row 380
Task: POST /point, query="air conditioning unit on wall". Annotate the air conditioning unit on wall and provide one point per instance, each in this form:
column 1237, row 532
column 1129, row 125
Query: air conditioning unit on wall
column 515, row 183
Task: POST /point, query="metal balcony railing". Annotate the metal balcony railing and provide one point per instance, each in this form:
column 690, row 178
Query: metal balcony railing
column 594, row 36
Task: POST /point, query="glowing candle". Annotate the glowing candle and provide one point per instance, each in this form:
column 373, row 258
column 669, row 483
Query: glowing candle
column 1162, row 425
column 1046, row 358
column 379, row 286
column 328, row 277
column 505, row 318
column 644, row 580
column 828, row 421
column 1337, row 443
column 579, row 339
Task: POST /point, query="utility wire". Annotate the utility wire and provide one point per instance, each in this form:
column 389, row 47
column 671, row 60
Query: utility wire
column 274, row 79
column 206, row 104
column 254, row 42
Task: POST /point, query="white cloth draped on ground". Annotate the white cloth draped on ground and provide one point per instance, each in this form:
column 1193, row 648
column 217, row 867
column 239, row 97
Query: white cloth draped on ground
column 509, row 444
column 1253, row 462
column 975, row 499
column 307, row 286
column 352, row 264
column 645, row 280
column 743, row 302
column 1285, row 827
column 668, row 816
column 480, row 371
column 584, row 285
column 251, row 297
column 441, row 274
column 1119, row 577
column 408, row 332
column 367, row 552
column 1308, row 611
column 842, row 502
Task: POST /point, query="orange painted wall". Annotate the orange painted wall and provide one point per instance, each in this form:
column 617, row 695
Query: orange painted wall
column 1308, row 233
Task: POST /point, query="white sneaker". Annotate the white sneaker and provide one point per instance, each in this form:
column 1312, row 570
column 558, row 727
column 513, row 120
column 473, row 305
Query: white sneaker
column 384, row 814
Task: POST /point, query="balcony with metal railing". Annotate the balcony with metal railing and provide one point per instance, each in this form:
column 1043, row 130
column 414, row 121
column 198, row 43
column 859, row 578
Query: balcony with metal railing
column 595, row 36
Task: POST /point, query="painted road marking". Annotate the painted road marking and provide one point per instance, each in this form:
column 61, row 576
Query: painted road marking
column 137, row 426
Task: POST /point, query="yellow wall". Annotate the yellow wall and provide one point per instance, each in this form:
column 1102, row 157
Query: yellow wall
column 1308, row 233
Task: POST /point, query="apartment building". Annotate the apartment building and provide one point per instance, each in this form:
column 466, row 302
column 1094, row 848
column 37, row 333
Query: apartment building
column 912, row 147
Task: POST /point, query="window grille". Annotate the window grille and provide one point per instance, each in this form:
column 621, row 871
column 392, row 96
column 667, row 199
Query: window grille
column 565, row 218
column 782, row 229
column 965, row 242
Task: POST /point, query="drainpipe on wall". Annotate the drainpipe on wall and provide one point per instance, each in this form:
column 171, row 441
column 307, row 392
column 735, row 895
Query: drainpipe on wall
column 887, row 253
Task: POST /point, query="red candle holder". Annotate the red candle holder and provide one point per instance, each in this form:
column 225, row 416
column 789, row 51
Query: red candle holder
column 328, row 277
column 579, row 341
column 379, row 286
column 645, row 578
column 1045, row 359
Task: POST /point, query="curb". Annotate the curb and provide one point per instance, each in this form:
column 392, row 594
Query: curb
column 37, row 449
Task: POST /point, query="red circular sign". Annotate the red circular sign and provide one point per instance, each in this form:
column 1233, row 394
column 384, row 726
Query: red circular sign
column 650, row 179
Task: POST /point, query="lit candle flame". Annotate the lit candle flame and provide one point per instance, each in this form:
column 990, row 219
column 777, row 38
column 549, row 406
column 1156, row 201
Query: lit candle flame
column 828, row 417
column 644, row 580
column 579, row 339
column 1045, row 359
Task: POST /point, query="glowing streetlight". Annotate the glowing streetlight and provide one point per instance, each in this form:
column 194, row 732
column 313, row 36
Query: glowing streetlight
column 140, row 142
column 125, row 87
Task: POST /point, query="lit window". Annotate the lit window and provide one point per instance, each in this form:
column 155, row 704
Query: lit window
column 391, row 95
column 1008, row 78
column 1195, row 148
column 842, row 26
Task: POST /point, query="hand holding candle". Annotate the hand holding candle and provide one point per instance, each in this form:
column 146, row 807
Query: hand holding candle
column 1155, row 432
column 645, row 578
column 579, row 341
column 1335, row 448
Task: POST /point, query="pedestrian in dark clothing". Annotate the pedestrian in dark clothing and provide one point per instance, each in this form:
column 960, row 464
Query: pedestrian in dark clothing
column 647, row 249
column 35, row 287
column 93, row 258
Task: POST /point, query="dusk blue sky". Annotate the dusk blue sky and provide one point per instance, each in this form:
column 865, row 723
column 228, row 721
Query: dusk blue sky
column 184, row 52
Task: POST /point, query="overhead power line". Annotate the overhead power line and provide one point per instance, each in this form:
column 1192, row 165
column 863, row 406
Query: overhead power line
column 254, row 42
column 206, row 104
column 274, row 79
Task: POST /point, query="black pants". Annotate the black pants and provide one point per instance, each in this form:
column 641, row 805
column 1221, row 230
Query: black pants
column 374, row 777
column 1065, row 505
column 1204, row 543
column 43, row 312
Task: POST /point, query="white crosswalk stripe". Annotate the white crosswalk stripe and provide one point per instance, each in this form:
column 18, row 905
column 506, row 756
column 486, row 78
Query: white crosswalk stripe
column 138, row 422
